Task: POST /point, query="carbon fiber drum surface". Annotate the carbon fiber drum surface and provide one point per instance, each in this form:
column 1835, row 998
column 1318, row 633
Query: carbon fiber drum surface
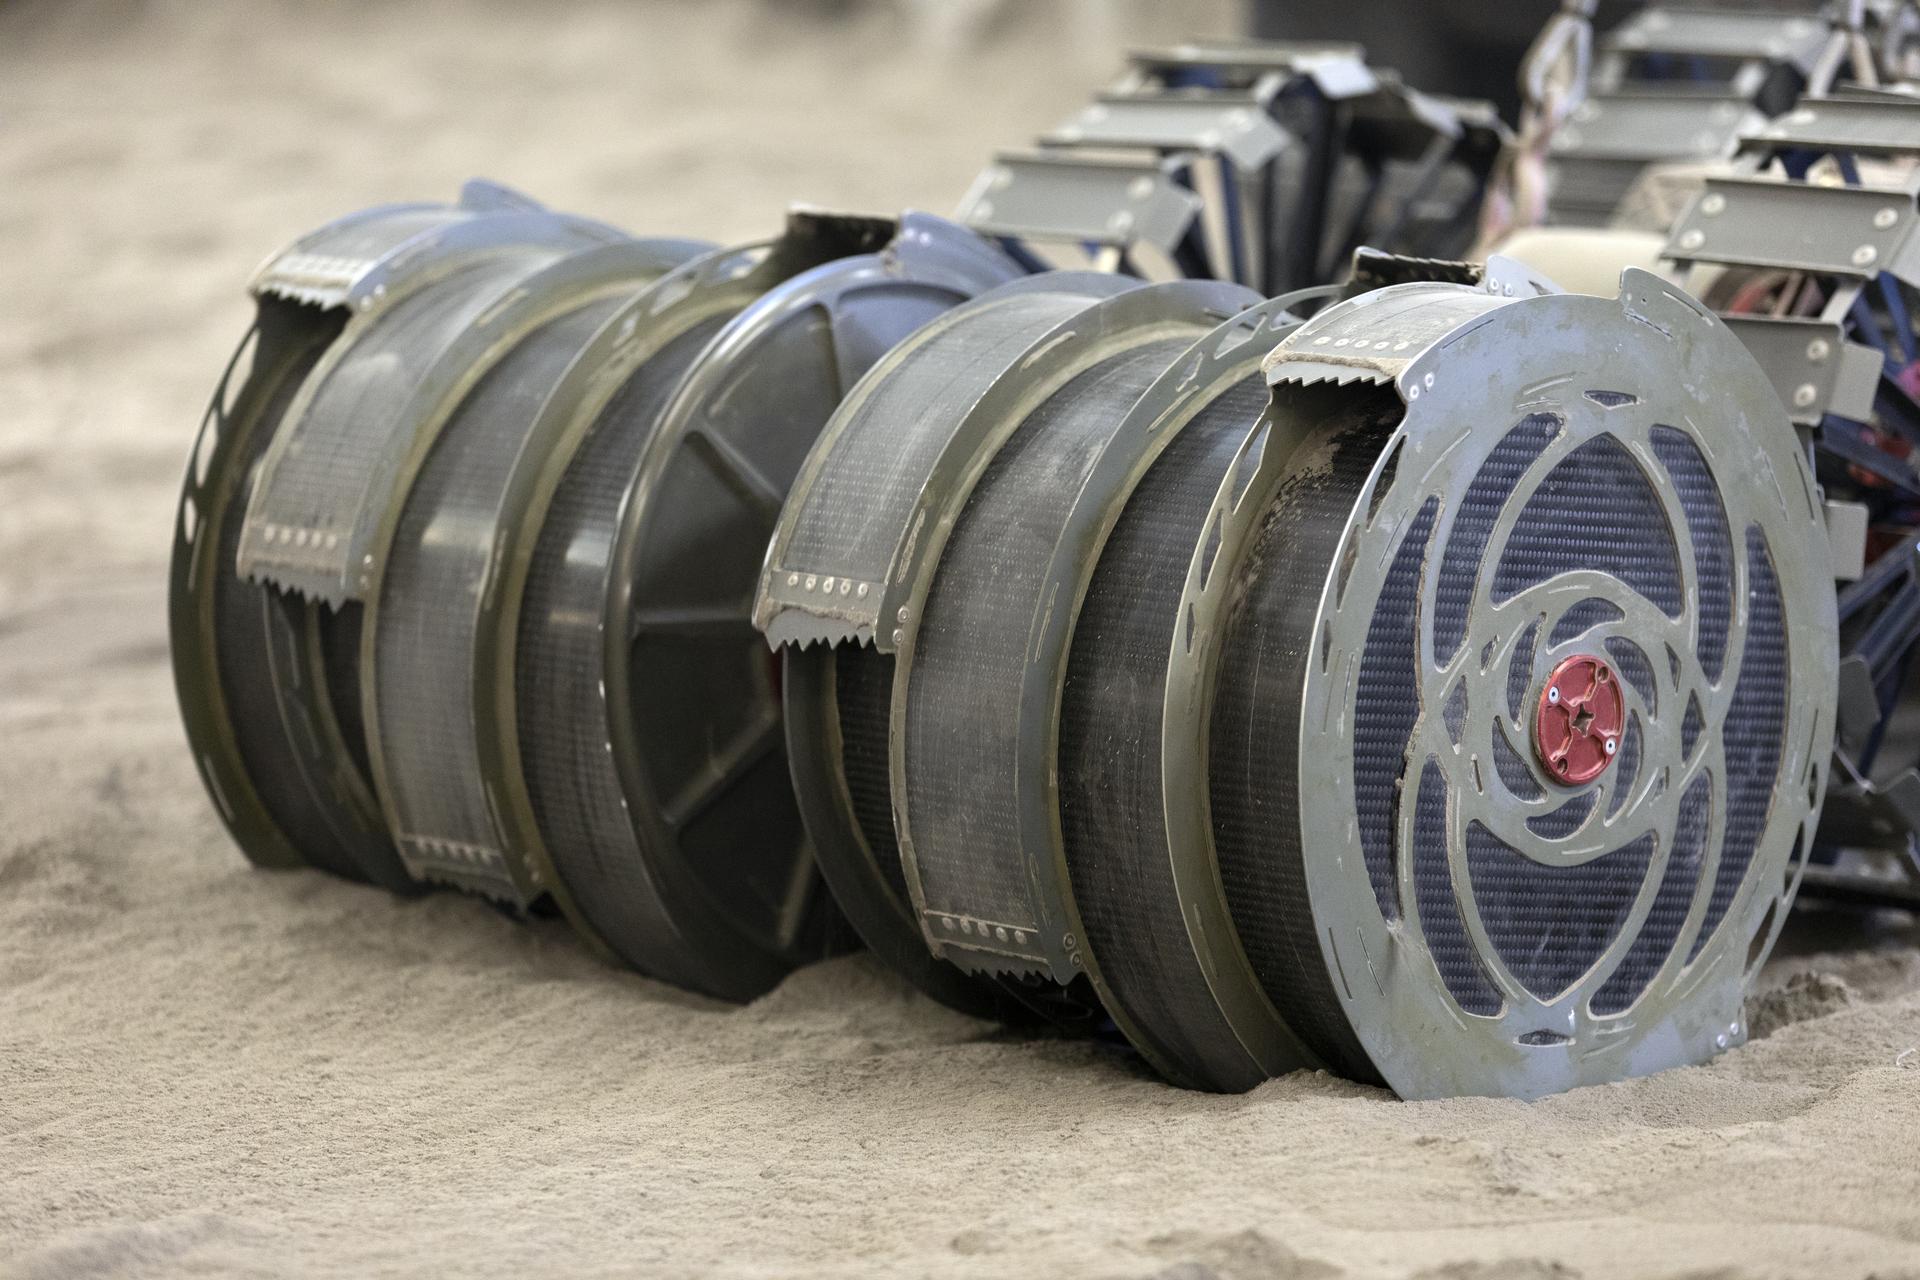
column 837, row 704
column 973, row 768
column 221, row 626
column 857, row 496
column 385, row 690
column 962, row 774
column 1113, row 792
column 863, row 696
column 438, row 568
column 988, row 884
column 577, row 798
column 1265, row 657
column 650, row 711
column 393, row 291
column 360, row 405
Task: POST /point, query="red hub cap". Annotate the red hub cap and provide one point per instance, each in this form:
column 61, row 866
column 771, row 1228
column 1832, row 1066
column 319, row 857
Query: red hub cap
column 1576, row 731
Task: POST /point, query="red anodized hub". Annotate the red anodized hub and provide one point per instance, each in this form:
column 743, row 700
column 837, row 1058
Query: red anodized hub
column 1576, row 730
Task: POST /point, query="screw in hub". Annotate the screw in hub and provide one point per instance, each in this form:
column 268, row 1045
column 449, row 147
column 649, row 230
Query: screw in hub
column 1576, row 730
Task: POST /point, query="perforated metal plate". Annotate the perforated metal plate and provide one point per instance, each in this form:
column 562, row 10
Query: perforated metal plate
column 1489, row 487
column 901, row 452
column 655, row 763
column 330, row 476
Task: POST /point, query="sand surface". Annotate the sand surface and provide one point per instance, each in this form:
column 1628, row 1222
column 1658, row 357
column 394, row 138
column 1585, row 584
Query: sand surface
column 210, row 1070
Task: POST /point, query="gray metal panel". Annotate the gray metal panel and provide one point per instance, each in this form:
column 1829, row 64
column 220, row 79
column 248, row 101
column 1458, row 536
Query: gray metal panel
column 1763, row 222
column 1648, row 127
column 1847, row 536
column 1793, row 39
column 1239, row 130
column 1083, row 199
column 1813, row 367
column 1876, row 126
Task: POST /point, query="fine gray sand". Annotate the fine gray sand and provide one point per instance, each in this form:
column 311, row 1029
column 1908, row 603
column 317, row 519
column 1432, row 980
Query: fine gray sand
column 211, row 1070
